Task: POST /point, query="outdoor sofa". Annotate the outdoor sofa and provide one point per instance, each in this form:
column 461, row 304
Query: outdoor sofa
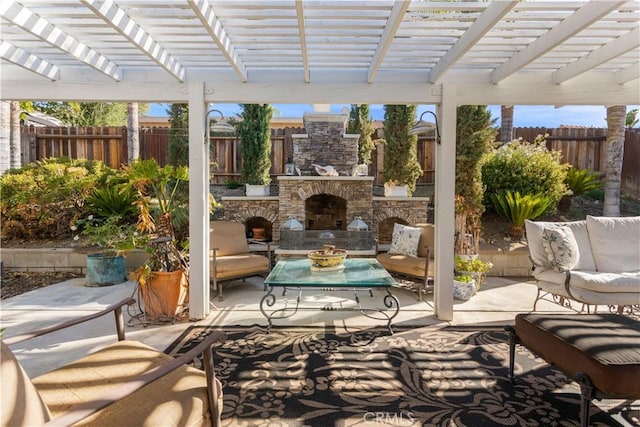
column 595, row 261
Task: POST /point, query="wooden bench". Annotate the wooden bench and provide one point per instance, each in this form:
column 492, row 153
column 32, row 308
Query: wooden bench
column 599, row 351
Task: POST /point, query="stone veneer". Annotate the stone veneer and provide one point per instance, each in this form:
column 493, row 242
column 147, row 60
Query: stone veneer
column 325, row 143
column 294, row 190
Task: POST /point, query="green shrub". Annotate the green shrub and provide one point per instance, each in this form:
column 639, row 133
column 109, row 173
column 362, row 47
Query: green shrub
column 110, row 201
column 582, row 181
column 526, row 168
column 232, row 184
column 517, row 208
column 41, row 199
column 595, row 194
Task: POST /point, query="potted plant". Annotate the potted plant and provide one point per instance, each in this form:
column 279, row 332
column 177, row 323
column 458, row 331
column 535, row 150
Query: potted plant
column 464, row 287
column 255, row 136
column 472, row 267
column 163, row 279
column 114, row 238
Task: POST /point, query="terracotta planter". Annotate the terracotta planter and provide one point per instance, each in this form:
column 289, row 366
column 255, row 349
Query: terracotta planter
column 259, row 233
column 164, row 295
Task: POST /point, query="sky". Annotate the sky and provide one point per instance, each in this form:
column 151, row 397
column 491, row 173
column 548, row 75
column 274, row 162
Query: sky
column 523, row 116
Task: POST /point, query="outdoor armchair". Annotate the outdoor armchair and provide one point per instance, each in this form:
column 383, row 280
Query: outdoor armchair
column 125, row 383
column 230, row 257
column 420, row 266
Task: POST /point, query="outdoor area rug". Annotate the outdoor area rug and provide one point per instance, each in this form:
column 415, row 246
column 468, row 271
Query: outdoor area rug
column 305, row 376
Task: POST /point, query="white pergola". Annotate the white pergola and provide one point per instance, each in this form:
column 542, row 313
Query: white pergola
column 321, row 51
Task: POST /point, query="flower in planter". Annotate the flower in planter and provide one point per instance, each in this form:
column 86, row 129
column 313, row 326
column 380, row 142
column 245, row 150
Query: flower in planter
column 473, row 267
column 109, row 234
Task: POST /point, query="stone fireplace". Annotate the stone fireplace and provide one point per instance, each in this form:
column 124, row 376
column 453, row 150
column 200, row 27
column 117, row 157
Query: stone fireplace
column 326, row 202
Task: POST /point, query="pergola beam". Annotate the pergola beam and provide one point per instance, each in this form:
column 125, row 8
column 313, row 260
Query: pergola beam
column 303, row 40
column 212, row 24
column 389, row 32
column 118, row 19
column 29, row 21
column 628, row 74
column 580, row 19
column 489, row 18
column 28, row 61
column 619, row 46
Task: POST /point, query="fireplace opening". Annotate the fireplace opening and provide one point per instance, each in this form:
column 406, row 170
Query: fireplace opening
column 325, row 212
column 259, row 228
column 385, row 228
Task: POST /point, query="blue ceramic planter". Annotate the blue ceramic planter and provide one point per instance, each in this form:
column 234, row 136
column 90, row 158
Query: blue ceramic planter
column 103, row 270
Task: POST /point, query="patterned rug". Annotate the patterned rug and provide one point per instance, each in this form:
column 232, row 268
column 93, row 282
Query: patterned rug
column 302, row 376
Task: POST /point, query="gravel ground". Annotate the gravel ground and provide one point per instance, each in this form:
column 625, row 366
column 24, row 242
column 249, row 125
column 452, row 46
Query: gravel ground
column 17, row 282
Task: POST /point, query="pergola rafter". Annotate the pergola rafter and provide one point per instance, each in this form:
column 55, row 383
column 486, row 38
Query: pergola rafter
column 118, row 19
column 26, row 19
column 572, row 25
column 212, row 24
column 28, row 61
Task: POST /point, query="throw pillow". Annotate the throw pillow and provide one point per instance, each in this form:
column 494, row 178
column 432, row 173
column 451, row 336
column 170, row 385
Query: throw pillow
column 405, row 240
column 561, row 248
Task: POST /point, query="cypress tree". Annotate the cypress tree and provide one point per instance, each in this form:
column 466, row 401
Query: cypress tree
column 255, row 137
column 400, row 157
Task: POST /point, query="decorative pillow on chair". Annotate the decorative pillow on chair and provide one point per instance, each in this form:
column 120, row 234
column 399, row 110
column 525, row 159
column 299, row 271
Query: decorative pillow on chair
column 561, row 247
column 405, row 240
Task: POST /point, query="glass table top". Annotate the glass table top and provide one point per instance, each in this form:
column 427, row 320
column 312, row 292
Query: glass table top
column 357, row 272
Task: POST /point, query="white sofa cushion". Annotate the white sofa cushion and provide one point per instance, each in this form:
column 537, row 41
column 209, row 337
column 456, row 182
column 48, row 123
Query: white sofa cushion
column 596, row 281
column 615, row 243
column 561, row 248
column 579, row 228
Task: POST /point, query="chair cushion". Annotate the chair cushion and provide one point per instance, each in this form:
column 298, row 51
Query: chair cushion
column 179, row 398
column 21, row 405
column 561, row 247
column 243, row 265
column 427, row 239
column 405, row 240
column 404, row 264
column 608, row 283
column 229, row 237
column 579, row 229
column 615, row 243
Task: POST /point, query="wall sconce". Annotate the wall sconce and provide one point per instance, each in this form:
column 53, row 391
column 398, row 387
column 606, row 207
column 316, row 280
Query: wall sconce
column 422, row 126
column 219, row 126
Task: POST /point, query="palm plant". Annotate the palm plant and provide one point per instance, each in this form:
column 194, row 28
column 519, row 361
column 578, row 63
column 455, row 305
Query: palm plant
column 516, row 208
column 582, row 181
column 159, row 201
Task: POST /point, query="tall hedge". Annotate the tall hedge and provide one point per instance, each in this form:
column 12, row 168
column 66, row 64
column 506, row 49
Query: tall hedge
column 360, row 123
column 255, row 137
column 400, row 157
column 474, row 139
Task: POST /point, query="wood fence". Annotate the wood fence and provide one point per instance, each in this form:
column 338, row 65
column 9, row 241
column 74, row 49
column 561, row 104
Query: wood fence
column 581, row 147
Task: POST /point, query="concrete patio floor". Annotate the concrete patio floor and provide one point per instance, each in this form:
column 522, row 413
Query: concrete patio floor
column 497, row 303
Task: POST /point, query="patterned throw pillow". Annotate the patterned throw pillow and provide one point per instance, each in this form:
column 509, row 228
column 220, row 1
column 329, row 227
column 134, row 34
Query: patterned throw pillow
column 561, row 248
column 405, row 240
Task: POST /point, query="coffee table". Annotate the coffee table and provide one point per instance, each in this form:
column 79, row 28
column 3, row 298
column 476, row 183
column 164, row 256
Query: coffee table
column 358, row 275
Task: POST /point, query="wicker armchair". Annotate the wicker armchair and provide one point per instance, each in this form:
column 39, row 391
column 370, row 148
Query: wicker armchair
column 125, row 383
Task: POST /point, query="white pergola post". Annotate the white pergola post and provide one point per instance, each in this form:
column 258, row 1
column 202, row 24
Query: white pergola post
column 444, row 205
column 198, row 204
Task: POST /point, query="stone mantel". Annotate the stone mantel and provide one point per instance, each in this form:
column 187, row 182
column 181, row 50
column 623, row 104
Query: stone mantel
column 403, row 199
column 247, row 198
column 324, row 178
